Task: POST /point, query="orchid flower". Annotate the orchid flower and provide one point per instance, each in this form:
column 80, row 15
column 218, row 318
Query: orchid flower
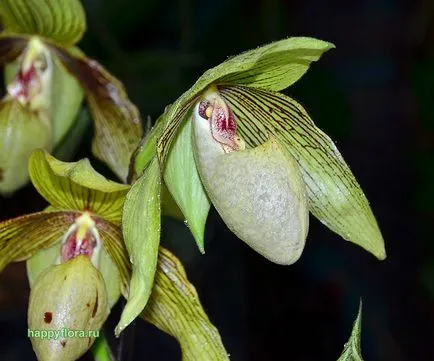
column 234, row 141
column 78, row 265
column 47, row 77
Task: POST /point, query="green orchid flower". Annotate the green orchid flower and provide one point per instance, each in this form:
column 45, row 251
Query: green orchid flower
column 78, row 265
column 47, row 77
column 232, row 140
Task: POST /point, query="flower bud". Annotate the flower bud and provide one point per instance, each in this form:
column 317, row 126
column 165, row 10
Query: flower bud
column 69, row 302
column 258, row 192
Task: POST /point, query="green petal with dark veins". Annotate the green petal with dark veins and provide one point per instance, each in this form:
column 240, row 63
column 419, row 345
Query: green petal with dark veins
column 183, row 181
column 76, row 185
column 63, row 21
column 274, row 66
column 141, row 224
column 335, row 197
column 352, row 350
column 174, row 308
column 117, row 125
column 22, row 237
column 113, row 244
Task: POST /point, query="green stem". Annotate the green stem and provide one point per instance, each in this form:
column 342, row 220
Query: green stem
column 101, row 350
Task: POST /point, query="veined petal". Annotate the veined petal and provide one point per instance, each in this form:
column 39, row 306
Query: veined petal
column 174, row 308
column 141, row 228
column 61, row 20
column 336, row 198
column 76, row 185
column 258, row 192
column 113, row 244
column 274, row 66
column 22, row 237
column 118, row 127
column 183, row 182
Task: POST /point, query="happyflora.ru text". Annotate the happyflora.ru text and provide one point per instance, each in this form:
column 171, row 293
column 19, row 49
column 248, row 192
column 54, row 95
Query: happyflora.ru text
column 62, row 333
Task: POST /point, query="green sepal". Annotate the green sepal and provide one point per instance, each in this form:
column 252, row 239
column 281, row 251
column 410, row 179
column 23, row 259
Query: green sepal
column 183, row 181
column 174, row 308
column 21, row 131
column 76, row 185
column 352, row 349
column 63, row 21
column 141, row 224
column 71, row 296
column 22, row 237
column 335, row 197
column 274, row 67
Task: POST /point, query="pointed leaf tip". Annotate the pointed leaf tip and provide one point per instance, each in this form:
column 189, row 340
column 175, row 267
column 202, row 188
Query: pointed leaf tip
column 352, row 349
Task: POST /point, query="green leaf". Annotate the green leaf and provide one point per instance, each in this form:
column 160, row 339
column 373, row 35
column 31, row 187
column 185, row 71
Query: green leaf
column 335, row 197
column 117, row 123
column 63, row 21
column 76, row 186
column 141, row 229
column 22, row 237
column 174, row 308
column 352, row 349
column 183, row 182
column 21, row 131
column 274, row 66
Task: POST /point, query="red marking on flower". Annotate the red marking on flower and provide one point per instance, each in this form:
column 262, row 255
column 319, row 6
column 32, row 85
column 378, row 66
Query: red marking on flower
column 23, row 84
column 224, row 126
column 73, row 248
column 203, row 106
column 48, row 316
column 63, row 343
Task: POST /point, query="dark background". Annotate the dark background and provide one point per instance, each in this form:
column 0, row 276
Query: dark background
column 373, row 94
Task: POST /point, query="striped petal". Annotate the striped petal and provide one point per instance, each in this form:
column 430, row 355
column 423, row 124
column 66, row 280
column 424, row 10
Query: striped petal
column 22, row 237
column 336, row 198
column 174, row 308
column 61, row 20
column 76, row 186
column 274, row 66
column 117, row 124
